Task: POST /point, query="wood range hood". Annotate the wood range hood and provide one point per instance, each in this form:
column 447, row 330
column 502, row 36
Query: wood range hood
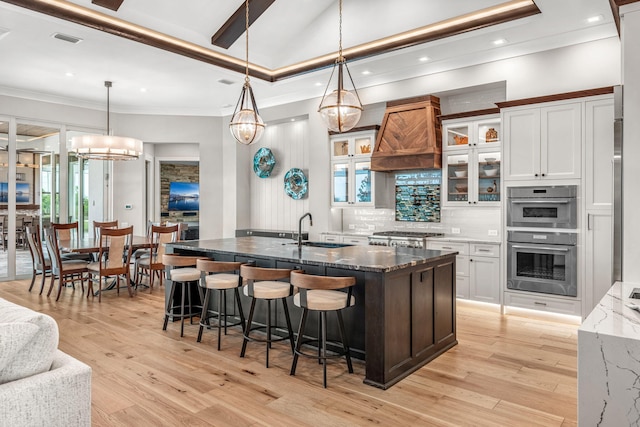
column 410, row 136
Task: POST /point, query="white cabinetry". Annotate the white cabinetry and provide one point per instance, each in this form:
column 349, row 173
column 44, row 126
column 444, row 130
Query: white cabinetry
column 484, row 271
column 477, row 269
column 471, row 161
column 543, row 142
column 348, row 239
column 598, row 200
column 353, row 183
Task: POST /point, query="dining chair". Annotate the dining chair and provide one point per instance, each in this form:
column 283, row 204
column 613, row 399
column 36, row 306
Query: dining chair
column 41, row 262
column 322, row 294
column 182, row 228
column 97, row 225
column 69, row 271
column 160, row 235
column 20, row 234
column 113, row 259
column 142, row 253
column 69, row 232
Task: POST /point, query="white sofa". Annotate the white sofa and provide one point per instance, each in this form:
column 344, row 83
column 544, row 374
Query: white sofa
column 39, row 384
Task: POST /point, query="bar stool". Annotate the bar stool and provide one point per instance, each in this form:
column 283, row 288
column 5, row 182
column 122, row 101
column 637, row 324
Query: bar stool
column 322, row 294
column 263, row 284
column 222, row 280
column 182, row 271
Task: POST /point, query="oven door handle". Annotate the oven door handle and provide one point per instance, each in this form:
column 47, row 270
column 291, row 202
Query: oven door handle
column 544, row 248
column 546, row 201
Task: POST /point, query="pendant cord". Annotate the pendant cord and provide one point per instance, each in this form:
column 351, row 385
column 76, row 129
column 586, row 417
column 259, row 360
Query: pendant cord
column 340, row 58
column 246, row 25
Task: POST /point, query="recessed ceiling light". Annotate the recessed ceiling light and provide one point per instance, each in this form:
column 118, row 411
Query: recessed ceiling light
column 318, row 84
column 66, row 38
column 226, row 81
column 423, row 59
column 366, row 72
column 69, row 74
column 143, row 89
column 594, row 19
column 293, row 119
column 499, row 42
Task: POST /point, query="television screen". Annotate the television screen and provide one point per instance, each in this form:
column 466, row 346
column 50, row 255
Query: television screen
column 184, row 196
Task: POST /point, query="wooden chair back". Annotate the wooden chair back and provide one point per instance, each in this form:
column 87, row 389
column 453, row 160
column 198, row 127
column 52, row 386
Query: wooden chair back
column 160, row 236
column 211, row 266
column 65, row 231
column 182, row 228
column 308, row 281
column 249, row 272
column 35, row 247
column 115, row 250
column 53, row 250
column 97, row 225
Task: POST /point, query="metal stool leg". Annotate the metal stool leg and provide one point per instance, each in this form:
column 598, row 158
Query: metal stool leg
column 303, row 322
column 169, row 307
column 205, row 314
column 323, row 323
column 248, row 329
column 345, row 344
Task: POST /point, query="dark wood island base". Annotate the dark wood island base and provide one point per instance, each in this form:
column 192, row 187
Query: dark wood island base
column 405, row 298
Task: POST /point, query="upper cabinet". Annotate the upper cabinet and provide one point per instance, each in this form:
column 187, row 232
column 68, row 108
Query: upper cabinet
column 472, row 166
column 543, row 143
column 353, row 183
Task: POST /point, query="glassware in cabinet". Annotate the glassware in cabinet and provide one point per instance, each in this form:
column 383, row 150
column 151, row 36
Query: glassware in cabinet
column 488, row 176
column 458, row 178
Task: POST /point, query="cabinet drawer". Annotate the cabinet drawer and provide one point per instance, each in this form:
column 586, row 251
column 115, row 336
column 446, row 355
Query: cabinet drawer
column 354, row 240
column 485, row 249
column 462, row 265
column 333, row 238
column 461, row 248
column 542, row 303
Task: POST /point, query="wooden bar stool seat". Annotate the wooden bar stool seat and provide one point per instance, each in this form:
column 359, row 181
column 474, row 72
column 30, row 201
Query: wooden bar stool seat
column 221, row 280
column 264, row 284
column 183, row 272
column 322, row 294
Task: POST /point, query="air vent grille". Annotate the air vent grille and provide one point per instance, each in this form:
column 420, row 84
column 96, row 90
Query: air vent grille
column 66, row 38
column 226, row 82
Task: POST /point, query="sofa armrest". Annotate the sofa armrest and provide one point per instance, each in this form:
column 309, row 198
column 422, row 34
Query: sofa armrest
column 58, row 397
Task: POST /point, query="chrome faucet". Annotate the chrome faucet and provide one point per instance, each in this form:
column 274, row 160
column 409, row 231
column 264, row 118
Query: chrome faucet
column 300, row 227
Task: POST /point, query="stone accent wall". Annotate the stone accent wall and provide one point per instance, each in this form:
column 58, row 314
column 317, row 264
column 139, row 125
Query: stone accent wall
column 170, row 172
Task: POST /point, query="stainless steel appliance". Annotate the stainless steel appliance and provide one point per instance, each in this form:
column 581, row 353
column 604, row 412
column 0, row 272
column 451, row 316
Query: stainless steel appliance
column 544, row 206
column 617, row 182
column 405, row 239
column 544, row 262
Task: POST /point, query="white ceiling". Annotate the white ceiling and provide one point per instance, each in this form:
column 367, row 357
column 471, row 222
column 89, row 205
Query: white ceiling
column 34, row 65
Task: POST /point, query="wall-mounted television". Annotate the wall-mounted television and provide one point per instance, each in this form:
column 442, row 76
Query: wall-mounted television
column 184, row 196
column 22, row 192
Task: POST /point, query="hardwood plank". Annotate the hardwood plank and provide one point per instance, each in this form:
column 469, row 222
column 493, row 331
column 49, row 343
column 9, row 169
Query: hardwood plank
column 505, row 370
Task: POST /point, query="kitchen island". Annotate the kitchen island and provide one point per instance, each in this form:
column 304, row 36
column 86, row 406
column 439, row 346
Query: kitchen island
column 405, row 298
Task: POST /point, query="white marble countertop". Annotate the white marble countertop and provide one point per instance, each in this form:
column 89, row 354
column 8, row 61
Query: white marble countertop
column 612, row 317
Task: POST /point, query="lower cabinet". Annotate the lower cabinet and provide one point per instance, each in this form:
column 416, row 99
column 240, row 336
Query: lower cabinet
column 347, row 239
column 477, row 269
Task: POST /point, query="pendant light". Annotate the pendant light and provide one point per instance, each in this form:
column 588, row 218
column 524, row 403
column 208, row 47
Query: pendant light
column 341, row 109
column 246, row 125
column 106, row 147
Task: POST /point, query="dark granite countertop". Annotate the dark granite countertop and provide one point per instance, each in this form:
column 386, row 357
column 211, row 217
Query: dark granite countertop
column 362, row 258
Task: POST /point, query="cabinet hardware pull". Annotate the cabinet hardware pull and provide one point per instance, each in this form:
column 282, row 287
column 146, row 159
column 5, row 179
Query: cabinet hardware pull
column 540, row 303
column 543, row 174
column 588, row 221
column 484, row 250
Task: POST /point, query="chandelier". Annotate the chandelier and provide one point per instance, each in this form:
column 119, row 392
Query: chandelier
column 246, row 124
column 341, row 109
column 106, row 147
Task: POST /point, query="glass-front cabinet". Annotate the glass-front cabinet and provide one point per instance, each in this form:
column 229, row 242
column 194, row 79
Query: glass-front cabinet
column 471, row 160
column 353, row 183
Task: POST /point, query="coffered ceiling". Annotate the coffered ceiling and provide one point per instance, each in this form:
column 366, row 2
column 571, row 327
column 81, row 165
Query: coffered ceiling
column 160, row 56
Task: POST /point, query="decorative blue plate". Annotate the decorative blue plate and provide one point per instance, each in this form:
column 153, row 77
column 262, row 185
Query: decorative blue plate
column 263, row 162
column 295, row 183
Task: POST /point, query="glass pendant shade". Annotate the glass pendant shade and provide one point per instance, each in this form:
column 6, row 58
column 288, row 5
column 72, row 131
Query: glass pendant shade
column 246, row 124
column 340, row 111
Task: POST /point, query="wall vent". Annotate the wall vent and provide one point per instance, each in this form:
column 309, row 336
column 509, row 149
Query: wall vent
column 226, row 82
column 66, row 38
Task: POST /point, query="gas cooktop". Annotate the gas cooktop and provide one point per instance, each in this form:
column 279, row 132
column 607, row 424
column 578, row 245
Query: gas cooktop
column 405, row 234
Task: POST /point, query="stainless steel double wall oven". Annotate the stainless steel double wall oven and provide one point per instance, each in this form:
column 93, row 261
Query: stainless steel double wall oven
column 541, row 239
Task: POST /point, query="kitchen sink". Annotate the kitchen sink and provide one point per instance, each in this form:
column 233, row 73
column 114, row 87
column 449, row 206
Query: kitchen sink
column 322, row 244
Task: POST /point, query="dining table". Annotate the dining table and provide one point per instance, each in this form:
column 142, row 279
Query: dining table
column 90, row 245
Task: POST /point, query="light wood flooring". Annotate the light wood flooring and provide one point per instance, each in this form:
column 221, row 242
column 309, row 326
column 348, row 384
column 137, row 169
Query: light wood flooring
column 505, row 371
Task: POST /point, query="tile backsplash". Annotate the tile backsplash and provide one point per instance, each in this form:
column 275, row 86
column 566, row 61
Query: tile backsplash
column 471, row 222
